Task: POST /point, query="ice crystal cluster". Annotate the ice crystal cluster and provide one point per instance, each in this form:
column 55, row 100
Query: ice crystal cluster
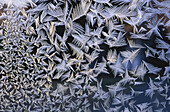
column 85, row 56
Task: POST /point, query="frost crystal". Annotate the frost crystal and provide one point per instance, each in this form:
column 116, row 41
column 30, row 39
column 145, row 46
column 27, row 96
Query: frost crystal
column 84, row 55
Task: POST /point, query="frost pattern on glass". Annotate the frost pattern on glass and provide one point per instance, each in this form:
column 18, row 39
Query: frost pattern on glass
column 85, row 55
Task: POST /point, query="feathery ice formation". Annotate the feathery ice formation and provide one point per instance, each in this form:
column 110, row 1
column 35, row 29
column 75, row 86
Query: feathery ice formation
column 85, row 56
